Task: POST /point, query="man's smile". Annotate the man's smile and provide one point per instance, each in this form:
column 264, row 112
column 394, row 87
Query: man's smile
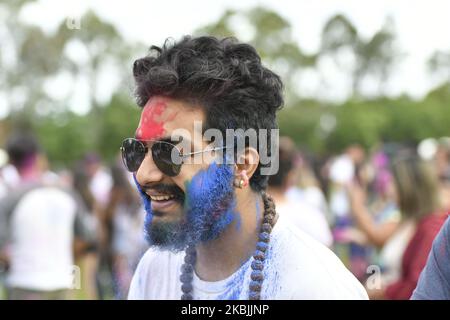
column 160, row 197
column 161, row 200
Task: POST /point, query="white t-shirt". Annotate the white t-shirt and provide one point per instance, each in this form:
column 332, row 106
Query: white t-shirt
column 41, row 244
column 297, row 267
column 307, row 218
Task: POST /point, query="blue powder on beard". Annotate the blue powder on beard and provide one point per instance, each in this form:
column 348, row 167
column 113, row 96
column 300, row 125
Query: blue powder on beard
column 210, row 203
column 208, row 210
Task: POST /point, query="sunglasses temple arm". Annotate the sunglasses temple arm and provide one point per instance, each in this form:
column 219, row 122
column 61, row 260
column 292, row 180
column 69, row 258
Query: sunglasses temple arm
column 206, row 150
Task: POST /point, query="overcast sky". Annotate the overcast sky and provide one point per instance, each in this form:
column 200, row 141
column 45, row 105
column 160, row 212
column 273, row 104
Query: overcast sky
column 422, row 26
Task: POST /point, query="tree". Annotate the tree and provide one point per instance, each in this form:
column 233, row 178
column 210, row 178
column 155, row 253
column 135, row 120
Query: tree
column 378, row 55
column 272, row 37
column 439, row 64
column 39, row 58
column 374, row 57
column 34, row 56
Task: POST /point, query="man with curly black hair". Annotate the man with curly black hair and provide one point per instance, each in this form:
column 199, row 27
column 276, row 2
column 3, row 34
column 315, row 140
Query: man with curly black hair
column 201, row 156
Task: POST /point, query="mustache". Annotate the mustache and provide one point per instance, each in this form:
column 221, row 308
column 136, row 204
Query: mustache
column 168, row 189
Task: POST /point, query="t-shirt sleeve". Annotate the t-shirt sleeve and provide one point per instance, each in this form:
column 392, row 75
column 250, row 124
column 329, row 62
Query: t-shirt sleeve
column 434, row 281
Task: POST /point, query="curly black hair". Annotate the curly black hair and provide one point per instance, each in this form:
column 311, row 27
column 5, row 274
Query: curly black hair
column 224, row 76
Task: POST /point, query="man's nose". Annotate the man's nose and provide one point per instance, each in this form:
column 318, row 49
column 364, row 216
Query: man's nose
column 148, row 172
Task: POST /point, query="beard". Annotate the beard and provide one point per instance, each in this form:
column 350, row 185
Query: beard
column 208, row 208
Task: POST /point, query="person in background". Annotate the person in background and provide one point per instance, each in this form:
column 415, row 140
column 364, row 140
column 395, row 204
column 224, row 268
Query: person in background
column 442, row 157
column 100, row 181
column 88, row 259
column 417, row 191
column 377, row 218
column 9, row 177
column 442, row 162
column 126, row 216
column 344, row 169
column 306, row 186
column 38, row 225
column 434, row 281
column 299, row 212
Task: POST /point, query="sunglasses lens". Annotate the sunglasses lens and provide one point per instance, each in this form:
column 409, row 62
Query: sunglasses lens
column 133, row 153
column 163, row 154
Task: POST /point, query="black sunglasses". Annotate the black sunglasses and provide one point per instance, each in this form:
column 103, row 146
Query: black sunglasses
column 167, row 157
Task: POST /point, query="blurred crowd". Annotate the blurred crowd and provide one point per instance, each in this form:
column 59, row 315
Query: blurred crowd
column 378, row 210
column 70, row 234
column 77, row 234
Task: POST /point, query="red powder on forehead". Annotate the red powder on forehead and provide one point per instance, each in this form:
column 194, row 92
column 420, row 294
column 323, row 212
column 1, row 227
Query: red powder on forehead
column 151, row 126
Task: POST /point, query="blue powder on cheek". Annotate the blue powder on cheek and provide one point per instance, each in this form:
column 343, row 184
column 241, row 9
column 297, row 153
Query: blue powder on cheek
column 210, row 202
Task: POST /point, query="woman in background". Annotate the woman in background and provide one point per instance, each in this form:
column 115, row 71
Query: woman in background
column 418, row 199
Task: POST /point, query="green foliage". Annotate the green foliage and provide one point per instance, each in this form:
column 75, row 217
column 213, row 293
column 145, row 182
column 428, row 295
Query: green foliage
column 301, row 123
column 221, row 28
column 68, row 136
column 272, row 39
column 119, row 120
column 357, row 123
column 338, row 32
column 65, row 138
column 369, row 122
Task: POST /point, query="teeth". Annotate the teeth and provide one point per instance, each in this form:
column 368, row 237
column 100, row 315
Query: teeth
column 161, row 198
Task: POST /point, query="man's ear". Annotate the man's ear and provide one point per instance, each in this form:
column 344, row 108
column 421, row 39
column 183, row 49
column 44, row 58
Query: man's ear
column 247, row 162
